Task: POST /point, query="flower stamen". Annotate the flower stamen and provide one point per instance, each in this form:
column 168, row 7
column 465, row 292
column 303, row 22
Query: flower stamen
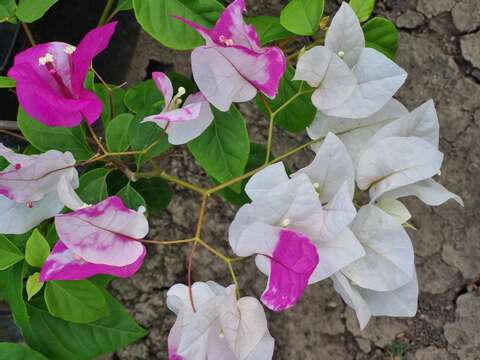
column 70, row 49
column 44, row 60
column 176, row 101
column 225, row 41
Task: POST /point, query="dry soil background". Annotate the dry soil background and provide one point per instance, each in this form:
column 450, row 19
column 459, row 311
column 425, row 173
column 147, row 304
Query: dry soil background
column 440, row 49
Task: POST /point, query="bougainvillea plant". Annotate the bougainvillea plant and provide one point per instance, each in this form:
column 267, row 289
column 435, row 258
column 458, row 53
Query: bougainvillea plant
column 75, row 203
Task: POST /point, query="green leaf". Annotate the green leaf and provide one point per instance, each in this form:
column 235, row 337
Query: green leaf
column 297, row 115
column 37, row 249
column 33, row 285
column 11, row 351
column 11, row 282
column 3, row 163
column 124, row 5
column 76, row 301
column 157, row 18
column 117, row 135
column 52, row 236
column 6, row 82
column 131, row 198
column 116, row 181
column 31, row 10
column 20, row 240
column 31, row 150
column 258, row 154
column 156, row 192
column 363, row 8
column 143, row 136
column 60, row 340
column 93, row 186
column 302, row 17
column 144, row 99
column 7, row 10
column 89, row 82
column 178, row 80
column 223, row 149
column 382, row 35
column 47, row 138
column 9, row 253
column 118, row 106
column 102, row 280
column 269, row 28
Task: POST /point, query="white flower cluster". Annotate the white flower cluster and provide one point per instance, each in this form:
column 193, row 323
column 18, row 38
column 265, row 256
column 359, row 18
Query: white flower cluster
column 337, row 218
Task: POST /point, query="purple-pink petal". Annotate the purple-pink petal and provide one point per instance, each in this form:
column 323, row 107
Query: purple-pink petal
column 172, row 354
column 43, row 101
column 291, row 265
column 188, row 112
column 105, row 233
column 270, row 67
column 50, row 80
column 64, row 264
column 204, row 32
column 91, row 45
column 233, row 52
column 164, row 85
column 231, row 26
column 93, row 110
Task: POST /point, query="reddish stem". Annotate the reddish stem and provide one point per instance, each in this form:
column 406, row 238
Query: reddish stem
column 189, row 275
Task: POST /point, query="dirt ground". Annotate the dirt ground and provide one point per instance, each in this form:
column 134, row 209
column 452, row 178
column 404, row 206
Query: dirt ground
column 440, row 49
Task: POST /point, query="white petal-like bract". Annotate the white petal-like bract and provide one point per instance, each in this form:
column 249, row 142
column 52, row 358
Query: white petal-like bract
column 389, row 260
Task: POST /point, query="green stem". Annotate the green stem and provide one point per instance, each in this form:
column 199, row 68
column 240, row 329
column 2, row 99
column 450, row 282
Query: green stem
column 168, row 242
column 270, row 138
column 29, row 34
column 319, row 41
column 213, row 250
column 109, row 93
column 203, row 207
column 292, row 99
column 165, row 176
column 234, row 278
column 96, row 139
column 254, row 171
column 273, row 115
column 106, row 12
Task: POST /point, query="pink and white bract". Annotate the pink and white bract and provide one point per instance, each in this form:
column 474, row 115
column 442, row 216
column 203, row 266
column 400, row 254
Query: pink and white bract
column 29, row 188
column 97, row 239
column 181, row 124
column 297, row 240
column 232, row 66
column 50, row 79
column 220, row 327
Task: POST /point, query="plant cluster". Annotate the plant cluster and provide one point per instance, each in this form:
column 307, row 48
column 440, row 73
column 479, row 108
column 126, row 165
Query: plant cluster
column 66, row 236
